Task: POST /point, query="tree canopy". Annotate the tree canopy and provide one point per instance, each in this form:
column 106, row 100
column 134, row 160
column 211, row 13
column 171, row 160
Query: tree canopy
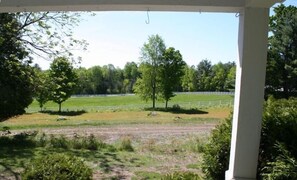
column 161, row 71
column 16, row 75
column 171, row 72
column 23, row 35
column 148, row 85
column 63, row 79
column 49, row 34
column 281, row 78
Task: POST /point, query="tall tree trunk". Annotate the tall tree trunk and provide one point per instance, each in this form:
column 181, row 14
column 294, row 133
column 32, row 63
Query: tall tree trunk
column 166, row 104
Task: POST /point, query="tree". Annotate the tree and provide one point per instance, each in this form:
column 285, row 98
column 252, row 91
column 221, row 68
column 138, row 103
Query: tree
column 97, row 80
column 112, row 79
column 130, row 75
column 204, row 75
column 230, row 80
column 281, row 75
column 42, row 87
column 84, row 85
column 189, row 79
column 171, row 72
column 148, row 86
column 22, row 35
column 16, row 74
column 64, row 80
column 49, row 34
column 221, row 75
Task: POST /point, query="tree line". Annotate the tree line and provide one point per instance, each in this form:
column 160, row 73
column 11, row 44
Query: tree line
column 161, row 72
column 150, row 80
column 108, row 79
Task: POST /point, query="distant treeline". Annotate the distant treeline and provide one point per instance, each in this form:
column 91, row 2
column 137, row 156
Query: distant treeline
column 108, row 79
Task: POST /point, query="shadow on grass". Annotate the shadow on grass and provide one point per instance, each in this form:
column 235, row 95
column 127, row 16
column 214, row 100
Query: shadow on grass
column 18, row 150
column 12, row 159
column 178, row 110
column 65, row 113
column 107, row 161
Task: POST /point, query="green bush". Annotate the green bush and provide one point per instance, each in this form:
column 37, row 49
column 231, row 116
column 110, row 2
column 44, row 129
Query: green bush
column 176, row 107
column 279, row 134
column 279, row 127
column 90, row 143
column 59, row 142
column 23, row 139
column 216, row 151
column 284, row 167
column 126, row 144
column 182, row 175
column 57, row 167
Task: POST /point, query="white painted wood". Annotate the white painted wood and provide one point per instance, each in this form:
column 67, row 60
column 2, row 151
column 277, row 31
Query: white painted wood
column 132, row 5
column 249, row 93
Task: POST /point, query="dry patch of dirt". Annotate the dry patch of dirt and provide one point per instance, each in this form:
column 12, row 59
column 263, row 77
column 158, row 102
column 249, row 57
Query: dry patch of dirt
column 137, row 132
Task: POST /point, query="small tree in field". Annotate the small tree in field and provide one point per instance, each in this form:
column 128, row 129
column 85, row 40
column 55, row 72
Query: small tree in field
column 63, row 79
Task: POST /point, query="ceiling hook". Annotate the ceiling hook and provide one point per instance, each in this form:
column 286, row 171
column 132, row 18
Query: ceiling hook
column 148, row 16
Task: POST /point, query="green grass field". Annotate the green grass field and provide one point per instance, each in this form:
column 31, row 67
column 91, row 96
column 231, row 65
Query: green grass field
column 131, row 102
column 115, row 110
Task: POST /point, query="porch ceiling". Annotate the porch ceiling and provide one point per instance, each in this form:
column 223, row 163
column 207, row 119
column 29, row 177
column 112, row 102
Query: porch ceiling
column 132, row 5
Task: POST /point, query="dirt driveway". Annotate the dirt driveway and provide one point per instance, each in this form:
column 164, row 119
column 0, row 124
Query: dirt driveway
column 136, row 131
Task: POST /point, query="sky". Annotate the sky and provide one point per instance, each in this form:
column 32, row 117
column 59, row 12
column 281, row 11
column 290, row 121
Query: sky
column 117, row 37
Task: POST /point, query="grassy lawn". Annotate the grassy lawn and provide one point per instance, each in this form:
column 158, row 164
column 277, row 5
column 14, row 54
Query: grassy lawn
column 39, row 120
column 152, row 156
column 131, row 102
column 148, row 160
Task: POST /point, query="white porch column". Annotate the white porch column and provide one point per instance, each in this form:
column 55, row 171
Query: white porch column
column 249, row 93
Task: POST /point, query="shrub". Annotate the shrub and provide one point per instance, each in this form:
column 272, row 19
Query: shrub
column 90, row 143
column 57, row 166
column 126, row 144
column 59, row 142
column 23, row 139
column 181, row 175
column 279, row 127
column 176, row 107
column 283, row 167
column 196, row 145
column 41, row 140
column 216, row 151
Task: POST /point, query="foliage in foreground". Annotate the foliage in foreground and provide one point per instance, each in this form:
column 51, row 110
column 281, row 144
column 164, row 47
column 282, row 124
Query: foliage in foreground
column 282, row 55
column 283, row 167
column 34, row 139
column 57, row 166
column 216, row 151
column 180, row 175
column 16, row 76
column 126, row 144
column 45, row 31
column 278, row 147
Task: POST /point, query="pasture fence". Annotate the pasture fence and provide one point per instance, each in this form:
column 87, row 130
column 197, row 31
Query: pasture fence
column 130, row 94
